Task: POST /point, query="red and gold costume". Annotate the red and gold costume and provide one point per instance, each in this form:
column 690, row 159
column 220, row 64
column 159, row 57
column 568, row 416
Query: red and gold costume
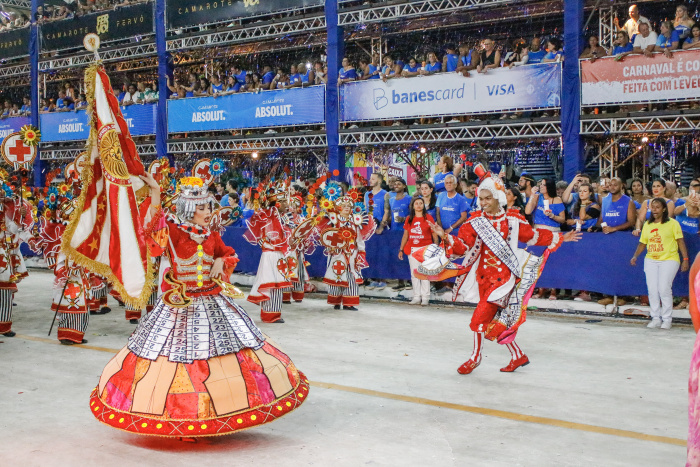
column 71, row 282
column 15, row 228
column 196, row 365
column 296, row 256
column 496, row 274
column 266, row 229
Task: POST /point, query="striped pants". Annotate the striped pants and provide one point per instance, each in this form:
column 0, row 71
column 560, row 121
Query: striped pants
column 271, row 310
column 72, row 326
column 132, row 313
column 346, row 296
column 5, row 310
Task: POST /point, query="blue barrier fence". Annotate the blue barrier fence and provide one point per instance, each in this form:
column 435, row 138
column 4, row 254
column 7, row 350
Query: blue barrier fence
column 597, row 263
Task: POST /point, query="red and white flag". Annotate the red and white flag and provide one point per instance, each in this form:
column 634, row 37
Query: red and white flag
column 105, row 233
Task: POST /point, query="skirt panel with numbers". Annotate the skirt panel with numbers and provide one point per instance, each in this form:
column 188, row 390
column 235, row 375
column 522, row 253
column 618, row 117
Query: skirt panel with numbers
column 202, row 370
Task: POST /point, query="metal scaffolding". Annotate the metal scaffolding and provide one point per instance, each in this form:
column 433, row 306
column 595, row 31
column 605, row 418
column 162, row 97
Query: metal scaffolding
column 541, row 129
column 249, row 143
column 412, row 9
column 58, row 153
column 676, row 121
column 253, row 32
column 110, row 55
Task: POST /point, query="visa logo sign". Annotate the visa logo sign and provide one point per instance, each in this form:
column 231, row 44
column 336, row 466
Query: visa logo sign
column 500, row 90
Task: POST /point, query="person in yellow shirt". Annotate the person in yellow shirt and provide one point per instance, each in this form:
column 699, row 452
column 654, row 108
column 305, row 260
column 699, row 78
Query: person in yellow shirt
column 662, row 237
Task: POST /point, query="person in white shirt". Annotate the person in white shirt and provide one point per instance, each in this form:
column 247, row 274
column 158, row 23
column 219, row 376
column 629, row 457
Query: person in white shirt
column 631, row 26
column 645, row 42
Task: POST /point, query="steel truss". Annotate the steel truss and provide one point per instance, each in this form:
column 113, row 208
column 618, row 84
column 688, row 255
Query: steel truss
column 25, row 4
column 412, row 9
column 111, row 55
column 469, row 132
column 47, row 154
column 641, row 124
column 249, row 143
column 606, row 26
column 253, row 32
column 14, row 71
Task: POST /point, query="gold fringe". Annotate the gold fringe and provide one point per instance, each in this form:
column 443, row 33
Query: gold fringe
column 86, row 178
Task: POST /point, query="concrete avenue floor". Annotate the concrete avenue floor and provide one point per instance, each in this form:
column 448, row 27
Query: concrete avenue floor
column 385, row 392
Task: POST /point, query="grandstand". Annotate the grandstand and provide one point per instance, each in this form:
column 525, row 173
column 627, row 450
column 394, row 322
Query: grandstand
column 560, row 125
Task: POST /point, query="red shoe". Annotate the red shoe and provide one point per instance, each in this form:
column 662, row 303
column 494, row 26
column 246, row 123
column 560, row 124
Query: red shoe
column 515, row 364
column 467, row 367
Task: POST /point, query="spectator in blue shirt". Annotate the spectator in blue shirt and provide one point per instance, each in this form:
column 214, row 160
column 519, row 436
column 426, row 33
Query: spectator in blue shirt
column 347, row 73
column 368, row 70
column 267, row 77
column 693, row 41
column 450, row 60
column 82, row 102
column 452, row 208
column 390, row 69
column 687, row 210
column 63, row 103
column 622, row 45
column 308, row 77
column 433, row 66
column 232, row 86
column 294, row 77
column 554, row 53
column 468, row 60
column 26, row 109
column 535, row 54
column 445, row 166
column 411, row 68
column 668, row 39
column 238, row 74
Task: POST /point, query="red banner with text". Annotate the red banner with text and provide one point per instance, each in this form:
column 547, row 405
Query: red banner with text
column 639, row 79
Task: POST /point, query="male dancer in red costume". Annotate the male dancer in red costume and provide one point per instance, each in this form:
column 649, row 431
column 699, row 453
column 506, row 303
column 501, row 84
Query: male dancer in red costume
column 498, row 275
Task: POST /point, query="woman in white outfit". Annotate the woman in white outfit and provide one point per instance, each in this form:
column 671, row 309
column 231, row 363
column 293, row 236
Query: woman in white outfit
column 416, row 235
column 662, row 237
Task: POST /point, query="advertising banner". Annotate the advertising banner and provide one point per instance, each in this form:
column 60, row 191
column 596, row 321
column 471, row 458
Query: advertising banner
column 298, row 106
column 122, row 23
column 182, row 13
column 14, row 43
column 73, row 126
column 639, row 78
column 526, row 87
column 11, row 125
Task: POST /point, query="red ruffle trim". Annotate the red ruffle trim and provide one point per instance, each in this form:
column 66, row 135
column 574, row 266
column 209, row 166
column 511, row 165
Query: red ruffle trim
column 154, row 426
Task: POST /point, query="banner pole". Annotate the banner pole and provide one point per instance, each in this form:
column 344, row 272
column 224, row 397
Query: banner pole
column 34, row 91
column 335, row 51
column 570, row 93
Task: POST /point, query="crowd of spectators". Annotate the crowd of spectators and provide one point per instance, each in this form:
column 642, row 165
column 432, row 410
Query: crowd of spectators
column 464, row 59
column 12, row 20
column 637, row 36
column 47, row 13
column 235, row 79
column 10, row 109
column 68, row 99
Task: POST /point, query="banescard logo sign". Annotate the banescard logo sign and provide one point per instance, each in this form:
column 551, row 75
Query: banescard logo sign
column 381, row 99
